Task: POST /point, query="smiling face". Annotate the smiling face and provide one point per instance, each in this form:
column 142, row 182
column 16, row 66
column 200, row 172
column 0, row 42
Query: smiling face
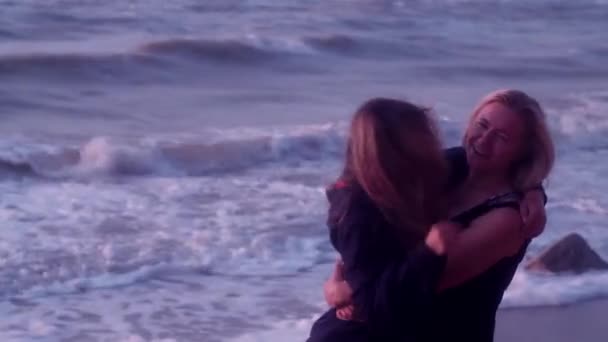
column 494, row 139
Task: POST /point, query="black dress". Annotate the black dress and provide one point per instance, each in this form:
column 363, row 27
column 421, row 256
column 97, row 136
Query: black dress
column 467, row 312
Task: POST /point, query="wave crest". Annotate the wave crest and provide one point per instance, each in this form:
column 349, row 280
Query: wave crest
column 102, row 156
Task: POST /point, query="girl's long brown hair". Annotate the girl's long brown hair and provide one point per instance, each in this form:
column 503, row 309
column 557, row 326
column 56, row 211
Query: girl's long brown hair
column 394, row 155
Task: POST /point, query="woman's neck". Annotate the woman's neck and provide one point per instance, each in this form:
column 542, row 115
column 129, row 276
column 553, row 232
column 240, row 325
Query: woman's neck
column 489, row 184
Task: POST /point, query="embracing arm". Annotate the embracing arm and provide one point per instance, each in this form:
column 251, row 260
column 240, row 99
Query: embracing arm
column 403, row 289
column 380, row 295
column 338, row 293
column 406, row 288
column 489, row 239
column 493, row 236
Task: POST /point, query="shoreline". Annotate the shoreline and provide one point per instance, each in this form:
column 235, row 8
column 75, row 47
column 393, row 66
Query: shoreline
column 579, row 322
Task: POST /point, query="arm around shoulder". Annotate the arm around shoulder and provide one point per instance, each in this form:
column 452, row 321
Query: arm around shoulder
column 485, row 242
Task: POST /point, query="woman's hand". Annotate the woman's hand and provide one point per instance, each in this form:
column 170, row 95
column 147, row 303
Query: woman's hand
column 532, row 210
column 441, row 236
column 345, row 313
column 486, row 241
column 338, row 294
column 336, row 290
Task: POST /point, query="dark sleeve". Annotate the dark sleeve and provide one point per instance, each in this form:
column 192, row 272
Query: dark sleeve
column 406, row 291
column 457, row 164
column 386, row 292
column 355, row 238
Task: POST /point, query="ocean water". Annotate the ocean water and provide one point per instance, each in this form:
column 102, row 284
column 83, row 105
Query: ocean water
column 163, row 163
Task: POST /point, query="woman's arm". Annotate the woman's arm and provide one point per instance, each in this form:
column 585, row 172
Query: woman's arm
column 469, row 253
column 406, row 288
column 486, row 241
column 338, row 293
column 407, row 283
column 336, row 290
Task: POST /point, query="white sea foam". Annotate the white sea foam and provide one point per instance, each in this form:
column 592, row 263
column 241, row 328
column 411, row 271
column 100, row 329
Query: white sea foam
column 236, row 150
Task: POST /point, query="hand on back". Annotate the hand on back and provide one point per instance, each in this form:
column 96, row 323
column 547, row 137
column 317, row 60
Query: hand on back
column 441, row 237
column 532, row 210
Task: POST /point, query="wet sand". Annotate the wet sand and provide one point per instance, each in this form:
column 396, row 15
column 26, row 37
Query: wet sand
column 583, row 322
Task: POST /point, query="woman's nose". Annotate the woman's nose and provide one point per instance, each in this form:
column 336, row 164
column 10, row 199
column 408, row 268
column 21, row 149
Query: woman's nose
column 485, row 139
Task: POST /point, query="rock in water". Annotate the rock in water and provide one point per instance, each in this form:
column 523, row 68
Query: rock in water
column 570, row 254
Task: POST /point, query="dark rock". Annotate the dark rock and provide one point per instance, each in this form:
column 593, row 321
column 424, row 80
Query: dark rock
column 571, row 254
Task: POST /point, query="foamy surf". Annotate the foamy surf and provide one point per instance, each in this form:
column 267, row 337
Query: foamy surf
column 103, row 156
column 529, row 290
column 287, row 330
column 582, row 128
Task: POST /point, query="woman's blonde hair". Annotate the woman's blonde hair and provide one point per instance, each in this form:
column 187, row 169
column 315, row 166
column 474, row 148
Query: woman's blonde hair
column 539, row 154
